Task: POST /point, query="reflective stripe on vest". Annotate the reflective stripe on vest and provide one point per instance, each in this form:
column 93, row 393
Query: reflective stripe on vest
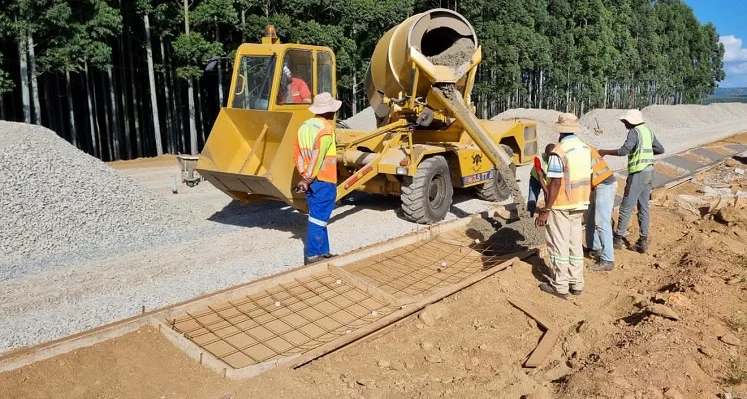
column 643, row 153
column 309, row 162
column 576, row 180
column 600, row 171
column 543, row 166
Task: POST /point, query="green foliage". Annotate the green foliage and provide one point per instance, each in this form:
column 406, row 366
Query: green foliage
column 192, row 50
column 6, row 85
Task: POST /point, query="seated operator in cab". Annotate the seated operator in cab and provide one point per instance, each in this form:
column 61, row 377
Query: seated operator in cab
column 293, row 90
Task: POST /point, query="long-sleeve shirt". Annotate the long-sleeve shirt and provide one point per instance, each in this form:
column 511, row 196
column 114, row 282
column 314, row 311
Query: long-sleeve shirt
column 632, row 141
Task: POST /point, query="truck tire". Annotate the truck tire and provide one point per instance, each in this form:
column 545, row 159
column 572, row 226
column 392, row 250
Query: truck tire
column 426, row 197
column 496, row 189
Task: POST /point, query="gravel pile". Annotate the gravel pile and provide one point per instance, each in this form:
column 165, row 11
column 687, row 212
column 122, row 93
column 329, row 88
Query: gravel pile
column 56, row 199
column 678, row 127
column 364, row 120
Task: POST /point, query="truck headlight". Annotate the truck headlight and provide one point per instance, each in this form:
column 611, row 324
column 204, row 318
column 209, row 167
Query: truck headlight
column 401, row 170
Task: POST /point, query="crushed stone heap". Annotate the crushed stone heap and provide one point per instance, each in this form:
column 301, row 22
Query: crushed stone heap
column 57, row 199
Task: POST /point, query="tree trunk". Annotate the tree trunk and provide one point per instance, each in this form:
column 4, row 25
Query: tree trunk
column 135, row 100
column 190, row 94
column 355, row 97
column 22, row 57
column 152, row 81
column 199, row 116
column 192, row 121
column 125, row 104
column 115, row 116
column 169, row 115
column 541, row 87
column 108, row 128
column 34, row 83
column 220, row 68
column 71, row 110
column 89, row 87
column 243, row 25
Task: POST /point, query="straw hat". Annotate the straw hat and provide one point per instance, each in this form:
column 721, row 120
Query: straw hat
column 323, row 103
column 567, row 123
column 632, row 116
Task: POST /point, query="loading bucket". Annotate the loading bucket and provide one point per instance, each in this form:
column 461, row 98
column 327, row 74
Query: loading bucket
column 249, row 155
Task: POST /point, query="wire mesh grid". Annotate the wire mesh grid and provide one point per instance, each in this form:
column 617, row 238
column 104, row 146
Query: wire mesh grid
column 281, row 321
column 427, row 265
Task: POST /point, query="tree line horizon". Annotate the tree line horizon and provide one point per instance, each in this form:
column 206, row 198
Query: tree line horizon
column 125, row 79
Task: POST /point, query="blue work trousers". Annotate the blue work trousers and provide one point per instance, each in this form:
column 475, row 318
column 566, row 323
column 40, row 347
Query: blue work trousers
column 599, row 220
column 321, row 200
column 534, row 192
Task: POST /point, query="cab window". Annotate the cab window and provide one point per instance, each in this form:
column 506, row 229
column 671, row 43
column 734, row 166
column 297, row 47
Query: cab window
column 324, row 72
column 296, row 78
column 253, row 82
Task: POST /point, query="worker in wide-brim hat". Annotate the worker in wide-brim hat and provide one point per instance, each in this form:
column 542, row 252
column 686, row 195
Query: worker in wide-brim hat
column 569, row 172
column 315, row 156
column 640, row 146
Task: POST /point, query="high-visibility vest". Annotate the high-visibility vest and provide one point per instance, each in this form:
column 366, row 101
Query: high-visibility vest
column 543, row 166
column 309, row 162
column 643, row 154
column 600, row 171
column 576, row 181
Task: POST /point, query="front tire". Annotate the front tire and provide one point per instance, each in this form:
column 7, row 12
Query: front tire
column 426, row 197
column 496, row 189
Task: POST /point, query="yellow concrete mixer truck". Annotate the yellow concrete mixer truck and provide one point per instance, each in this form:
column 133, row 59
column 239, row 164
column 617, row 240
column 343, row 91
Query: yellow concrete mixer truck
column 428, row 139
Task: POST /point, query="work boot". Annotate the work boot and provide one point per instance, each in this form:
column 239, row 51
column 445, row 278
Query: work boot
column 618, row 242
column 602, row 266
column 575, row 291
column 312, row 259
column 641, row 245
column 327, row 256
column 551, row 290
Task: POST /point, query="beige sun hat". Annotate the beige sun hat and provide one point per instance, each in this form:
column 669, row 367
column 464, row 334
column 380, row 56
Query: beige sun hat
column 567, row 123
column 323, row 103
column 632, row 116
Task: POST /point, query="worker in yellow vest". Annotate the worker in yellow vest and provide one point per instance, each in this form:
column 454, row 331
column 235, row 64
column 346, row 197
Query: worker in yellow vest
column 640, row 147
column 569, row 171
column 599, row 214
column 315, row 155
column 538, row 180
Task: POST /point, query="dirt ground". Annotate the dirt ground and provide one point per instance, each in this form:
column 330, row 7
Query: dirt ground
column 611, row 345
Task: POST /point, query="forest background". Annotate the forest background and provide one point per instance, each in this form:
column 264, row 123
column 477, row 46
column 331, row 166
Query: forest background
column 122, row 79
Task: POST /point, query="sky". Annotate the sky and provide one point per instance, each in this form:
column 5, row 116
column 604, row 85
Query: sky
column 730, row 18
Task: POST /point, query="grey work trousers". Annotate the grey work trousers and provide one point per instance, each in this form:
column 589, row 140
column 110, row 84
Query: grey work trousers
column 637, row 192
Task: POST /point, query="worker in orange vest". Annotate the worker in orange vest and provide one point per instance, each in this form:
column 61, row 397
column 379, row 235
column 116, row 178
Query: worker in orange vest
column 293, row 90
column 599, row 214
column 569, row 171
column 315, row 155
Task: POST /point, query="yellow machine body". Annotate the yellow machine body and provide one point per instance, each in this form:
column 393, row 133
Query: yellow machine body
column 249, row 151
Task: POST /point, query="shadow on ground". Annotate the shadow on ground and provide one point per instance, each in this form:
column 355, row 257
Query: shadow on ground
column 276, row 215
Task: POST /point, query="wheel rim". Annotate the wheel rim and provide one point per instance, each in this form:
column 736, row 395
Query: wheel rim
column 436, row 189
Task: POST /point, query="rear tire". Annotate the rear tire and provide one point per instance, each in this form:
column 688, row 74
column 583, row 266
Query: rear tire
column 426, row 197
column 496, row 189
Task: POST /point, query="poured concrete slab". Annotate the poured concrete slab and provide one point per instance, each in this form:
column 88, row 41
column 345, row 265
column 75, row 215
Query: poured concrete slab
column 707, row 154
column 683, row 163
column 736, row 148
column 661, row 179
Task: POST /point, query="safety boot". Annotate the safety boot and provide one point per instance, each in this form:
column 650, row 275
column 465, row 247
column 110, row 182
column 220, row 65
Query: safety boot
column 618, row 242
column 545, row 287
column 641, row 245
column 312, row 259
column 602, row 266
